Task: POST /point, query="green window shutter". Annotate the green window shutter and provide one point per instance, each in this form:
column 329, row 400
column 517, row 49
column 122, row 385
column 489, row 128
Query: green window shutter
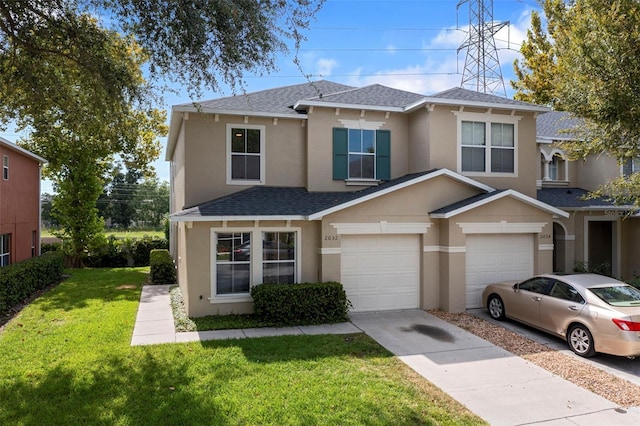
column 340, row 154
column 383, row 155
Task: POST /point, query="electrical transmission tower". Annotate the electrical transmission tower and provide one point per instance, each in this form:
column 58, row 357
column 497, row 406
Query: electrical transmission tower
column 482, row 71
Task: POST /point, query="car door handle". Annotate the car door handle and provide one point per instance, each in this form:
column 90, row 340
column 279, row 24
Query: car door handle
column 573, row 308
column 536, row 298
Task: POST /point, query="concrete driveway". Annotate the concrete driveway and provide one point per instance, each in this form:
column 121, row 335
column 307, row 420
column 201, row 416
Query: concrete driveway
column 625, row 368
column 500, row 387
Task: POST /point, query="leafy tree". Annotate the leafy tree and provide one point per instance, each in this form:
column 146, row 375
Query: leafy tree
column 117, row 200
column 537, row 70
column 151, row 200
column 77, row 86
column 596, row 44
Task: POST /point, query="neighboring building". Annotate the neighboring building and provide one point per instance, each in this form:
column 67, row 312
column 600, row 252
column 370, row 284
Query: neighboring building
column 597, row 234
column 409, row 201
column 19, row 203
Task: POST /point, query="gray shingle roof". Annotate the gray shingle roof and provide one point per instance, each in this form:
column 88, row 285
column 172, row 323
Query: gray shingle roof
column 282, row 201
column 466, row 95
column 554, row 125
column 279, row 100
column 466, row 202
column 567, row 198
column 373, row 95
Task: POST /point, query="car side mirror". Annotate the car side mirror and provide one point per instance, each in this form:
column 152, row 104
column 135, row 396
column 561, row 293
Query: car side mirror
column 516, row 288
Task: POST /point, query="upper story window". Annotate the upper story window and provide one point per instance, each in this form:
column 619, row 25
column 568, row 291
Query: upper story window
column 5, row 167
column 245, row 154
column 487, row 143
column 630, row 166
column 361, row 154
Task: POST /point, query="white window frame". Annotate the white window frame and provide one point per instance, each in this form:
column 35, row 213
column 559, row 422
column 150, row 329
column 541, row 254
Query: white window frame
column 488, row 119
column 255, row 260
column 262, row 128
column 5, row 167
column 362, row 154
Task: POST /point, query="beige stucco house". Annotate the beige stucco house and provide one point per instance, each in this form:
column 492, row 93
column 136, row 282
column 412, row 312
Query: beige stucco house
column 410, row 201
column 597, row 234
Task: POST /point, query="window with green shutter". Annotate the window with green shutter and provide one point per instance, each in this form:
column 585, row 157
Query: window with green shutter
column 361, row 154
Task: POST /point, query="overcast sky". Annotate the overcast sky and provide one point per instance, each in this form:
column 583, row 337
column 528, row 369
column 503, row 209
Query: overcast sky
column 406, row 44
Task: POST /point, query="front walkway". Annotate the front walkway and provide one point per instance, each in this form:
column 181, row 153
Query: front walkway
column 154, row 324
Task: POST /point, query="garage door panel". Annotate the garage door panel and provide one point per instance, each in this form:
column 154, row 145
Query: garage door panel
column 493, row 258
column 381, row 272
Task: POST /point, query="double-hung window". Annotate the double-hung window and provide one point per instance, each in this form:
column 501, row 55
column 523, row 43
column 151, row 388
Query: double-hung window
column 361, row 154
column 5, row 244
column 279, row 257
column 245, row 154
column 5, row 167
column 233, row 263
column 487, row 146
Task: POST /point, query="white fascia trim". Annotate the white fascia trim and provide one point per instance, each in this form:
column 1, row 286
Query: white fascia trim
column 440, row 172
column 492, row 105
column 233, row 218
column 502, row 227
column 347, row 106
column 205, row 110
column 444, row 249
column 382, row 227
column 21, row 150
column 508, row 193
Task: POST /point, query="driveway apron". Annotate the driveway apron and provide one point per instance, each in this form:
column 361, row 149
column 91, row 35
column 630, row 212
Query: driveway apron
column 500, row 387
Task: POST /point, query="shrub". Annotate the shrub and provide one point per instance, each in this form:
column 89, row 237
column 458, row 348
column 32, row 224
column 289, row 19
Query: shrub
column 142, row 248
column 300, row 304
column 47, row 247
column 19, row 281
column 162, row 269
column 106, row 252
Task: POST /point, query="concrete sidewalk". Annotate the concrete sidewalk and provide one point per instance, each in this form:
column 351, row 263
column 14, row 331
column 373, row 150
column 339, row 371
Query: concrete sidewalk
column 500, row 387
column 154, row 324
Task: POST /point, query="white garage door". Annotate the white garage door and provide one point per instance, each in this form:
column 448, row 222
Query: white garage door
column 381, row 272
column 496, row 257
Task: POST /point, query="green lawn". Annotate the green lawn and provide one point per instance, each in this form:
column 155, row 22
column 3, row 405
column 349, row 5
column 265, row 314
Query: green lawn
column 66, row 359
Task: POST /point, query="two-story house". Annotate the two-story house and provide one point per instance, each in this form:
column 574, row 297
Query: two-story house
column 19, row 203
column 410, row 201
column 597, row 234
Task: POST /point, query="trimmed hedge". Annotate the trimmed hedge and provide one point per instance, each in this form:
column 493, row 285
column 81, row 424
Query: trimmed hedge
column 19, row 281
column 300, row 304
column 162, row 269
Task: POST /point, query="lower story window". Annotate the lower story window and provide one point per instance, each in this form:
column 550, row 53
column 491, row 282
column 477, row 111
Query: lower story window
column 278, row 257
column 5, row 255
column 233, row 263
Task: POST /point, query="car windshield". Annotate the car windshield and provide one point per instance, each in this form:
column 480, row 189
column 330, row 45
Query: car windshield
column 620, row 295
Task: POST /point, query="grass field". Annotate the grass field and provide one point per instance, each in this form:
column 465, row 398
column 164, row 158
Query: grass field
column 67, row 359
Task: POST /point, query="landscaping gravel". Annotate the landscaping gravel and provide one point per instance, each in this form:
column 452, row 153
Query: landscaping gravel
column 577, row 371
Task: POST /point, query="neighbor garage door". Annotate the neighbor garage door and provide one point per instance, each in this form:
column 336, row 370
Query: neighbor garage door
column 381, row 272
column 496, row 257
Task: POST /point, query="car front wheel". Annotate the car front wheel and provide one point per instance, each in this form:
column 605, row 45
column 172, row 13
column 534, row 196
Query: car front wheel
column 581, row 341
column 495, row 307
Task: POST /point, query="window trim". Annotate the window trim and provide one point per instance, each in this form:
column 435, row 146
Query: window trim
column 487, row 118
column 262, row 128
column 255, row 262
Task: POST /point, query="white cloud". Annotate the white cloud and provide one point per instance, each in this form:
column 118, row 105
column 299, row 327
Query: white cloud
column 324, row 67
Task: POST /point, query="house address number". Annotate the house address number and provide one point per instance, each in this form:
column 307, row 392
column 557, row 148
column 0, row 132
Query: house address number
column 331, row 237
column 545, row 236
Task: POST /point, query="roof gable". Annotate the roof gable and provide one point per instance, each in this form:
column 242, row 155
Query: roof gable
column 476, row 201
column 374, row 95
